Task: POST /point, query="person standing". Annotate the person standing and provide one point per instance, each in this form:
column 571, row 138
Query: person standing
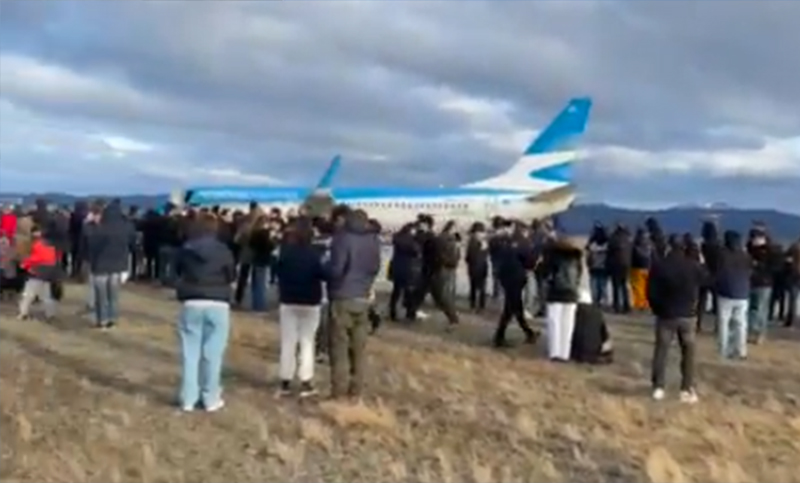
column 764, row 270
column 204, row 270
column 355, row 261
column 300, row 282
column 672, row 292
column 794, row 284
column 597, row 255
column 731, row 283
column 563, row 273
column 477, row 259
column 108, row 246
column 516, row 260
column 42, row 265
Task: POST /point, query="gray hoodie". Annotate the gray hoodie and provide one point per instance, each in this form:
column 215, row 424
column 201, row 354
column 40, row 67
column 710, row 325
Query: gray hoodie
column 355, row 260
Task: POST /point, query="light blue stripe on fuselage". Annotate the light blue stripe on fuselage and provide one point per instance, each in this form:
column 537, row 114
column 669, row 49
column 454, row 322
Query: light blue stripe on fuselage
column 217, row 195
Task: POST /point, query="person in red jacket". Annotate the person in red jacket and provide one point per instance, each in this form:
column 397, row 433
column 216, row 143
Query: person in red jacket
column 42, row 268
column 8, row 223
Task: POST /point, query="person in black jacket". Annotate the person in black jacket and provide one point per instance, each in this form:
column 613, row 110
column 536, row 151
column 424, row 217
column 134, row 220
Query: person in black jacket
column 710, row 248
column 793, row 256
column 597, row 263
column 672, row 291
column 497, row 239
column 262, row 244
column 618, row 264
column 170, row 243
column 204, row 271
column 766, row 263
column 516, row 260
column 76, row 220
column 432, row 276
column 404, row 269
column 591, row 341
column 731, row 278
column 477, row 259
column 563, row 269
column 108, row 246
column 657, row 237
column 301, row 274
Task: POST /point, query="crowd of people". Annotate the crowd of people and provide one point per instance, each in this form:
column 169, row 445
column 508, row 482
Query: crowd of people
column 325, row 268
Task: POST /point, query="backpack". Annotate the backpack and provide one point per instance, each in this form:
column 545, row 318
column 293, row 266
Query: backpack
column 567, row 276
column 450, row 253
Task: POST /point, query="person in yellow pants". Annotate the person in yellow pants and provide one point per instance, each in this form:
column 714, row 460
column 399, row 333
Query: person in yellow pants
column 640, row 269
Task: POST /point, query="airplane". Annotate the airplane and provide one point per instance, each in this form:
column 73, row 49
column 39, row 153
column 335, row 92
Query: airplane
column 538, row 185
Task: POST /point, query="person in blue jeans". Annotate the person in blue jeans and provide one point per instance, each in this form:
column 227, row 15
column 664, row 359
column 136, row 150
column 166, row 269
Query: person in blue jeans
column 205, row 271
column 732, row 285
column 262, row 245
column 107, row 245
column 597, row 251
column 765, row 267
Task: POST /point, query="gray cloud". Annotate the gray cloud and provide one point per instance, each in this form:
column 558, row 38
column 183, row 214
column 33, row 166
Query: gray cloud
column 281, row 86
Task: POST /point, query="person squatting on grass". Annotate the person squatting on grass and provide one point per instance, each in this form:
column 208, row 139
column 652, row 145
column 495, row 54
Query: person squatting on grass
column 300, row 274
column 204, row 271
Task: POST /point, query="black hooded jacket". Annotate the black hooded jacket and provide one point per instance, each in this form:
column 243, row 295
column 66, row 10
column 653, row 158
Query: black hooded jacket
column 110, row 242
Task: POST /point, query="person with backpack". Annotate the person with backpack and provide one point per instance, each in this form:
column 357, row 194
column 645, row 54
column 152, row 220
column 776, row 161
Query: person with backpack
column 449, row 254
column 563, row 270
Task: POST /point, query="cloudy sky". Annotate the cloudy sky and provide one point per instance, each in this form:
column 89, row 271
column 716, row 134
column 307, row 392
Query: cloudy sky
column 695, row 102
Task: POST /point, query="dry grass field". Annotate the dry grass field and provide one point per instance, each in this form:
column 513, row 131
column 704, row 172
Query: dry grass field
column 79, row 405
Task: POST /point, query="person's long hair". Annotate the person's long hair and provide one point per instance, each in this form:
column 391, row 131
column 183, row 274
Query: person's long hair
column 299, row 232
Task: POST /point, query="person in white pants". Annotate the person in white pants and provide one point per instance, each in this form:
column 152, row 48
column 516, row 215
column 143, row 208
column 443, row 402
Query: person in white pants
column 300, row 274
column 564, row 275
column 299, row 324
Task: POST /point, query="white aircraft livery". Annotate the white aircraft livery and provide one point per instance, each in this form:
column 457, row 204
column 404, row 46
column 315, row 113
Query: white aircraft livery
column 538, row 185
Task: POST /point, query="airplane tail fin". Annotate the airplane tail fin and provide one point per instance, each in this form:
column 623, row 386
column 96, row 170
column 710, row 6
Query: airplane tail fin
column 548, row 161
column 327, row 178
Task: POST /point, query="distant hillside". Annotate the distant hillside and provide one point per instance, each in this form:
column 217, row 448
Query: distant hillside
column 680, row 219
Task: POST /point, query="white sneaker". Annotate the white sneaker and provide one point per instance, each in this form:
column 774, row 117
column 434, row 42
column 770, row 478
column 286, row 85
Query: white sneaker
column 689, row 397
column 216, row 407
column 528, row 315
column 187, row 409
column 658, row 394
column 422, row 315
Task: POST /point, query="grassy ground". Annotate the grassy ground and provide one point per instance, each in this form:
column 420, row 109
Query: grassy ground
column 82, row 405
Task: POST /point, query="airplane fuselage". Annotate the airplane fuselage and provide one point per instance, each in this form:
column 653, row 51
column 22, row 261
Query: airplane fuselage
column 393, row 207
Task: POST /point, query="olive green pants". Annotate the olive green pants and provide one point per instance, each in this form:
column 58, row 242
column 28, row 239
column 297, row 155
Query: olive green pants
column 349, row 329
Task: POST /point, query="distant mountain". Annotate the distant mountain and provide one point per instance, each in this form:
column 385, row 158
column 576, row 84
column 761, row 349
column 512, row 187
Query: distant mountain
column 63, row 199
column 678, row 219
column 682, row 219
